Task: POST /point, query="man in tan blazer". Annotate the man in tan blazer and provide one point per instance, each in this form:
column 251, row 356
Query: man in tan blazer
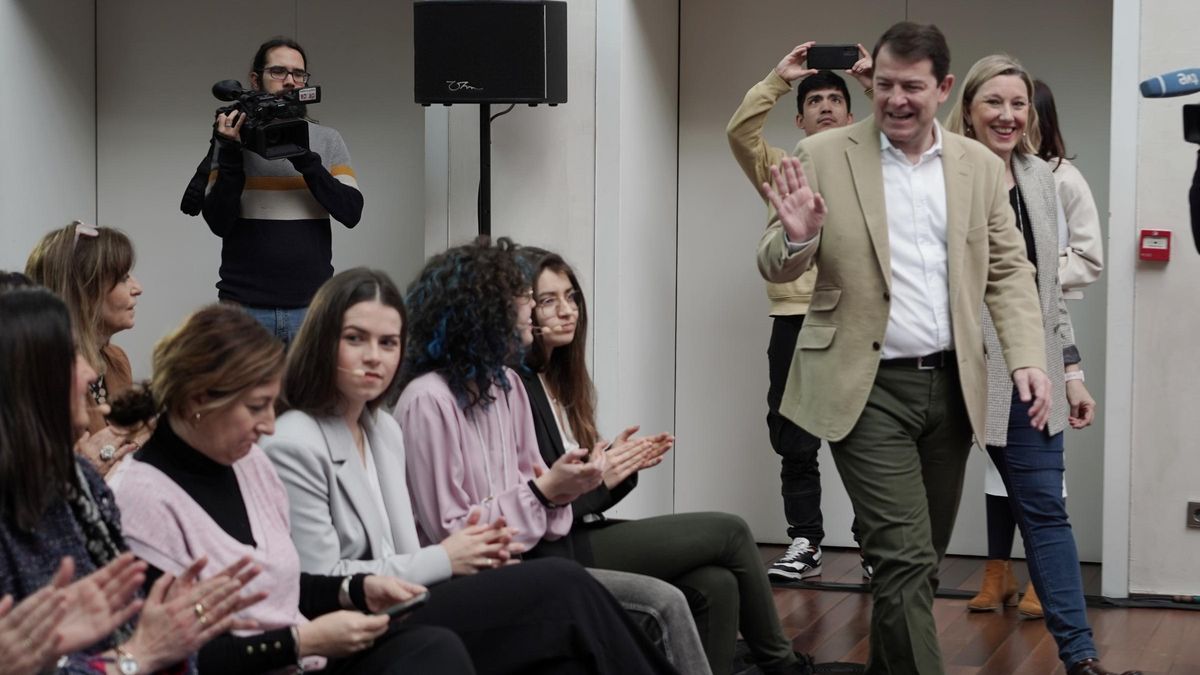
column 911, row 232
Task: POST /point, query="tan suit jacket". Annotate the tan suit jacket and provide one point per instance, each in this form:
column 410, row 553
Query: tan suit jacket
column 837, row 353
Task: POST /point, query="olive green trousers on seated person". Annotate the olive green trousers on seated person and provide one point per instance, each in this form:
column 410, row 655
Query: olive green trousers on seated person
column 713, row 559
column 903, row 465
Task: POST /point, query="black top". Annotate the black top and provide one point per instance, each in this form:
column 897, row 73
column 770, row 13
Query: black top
column 1194, row 200
column 576, row 545
column 215, row 489
column 1017, row 201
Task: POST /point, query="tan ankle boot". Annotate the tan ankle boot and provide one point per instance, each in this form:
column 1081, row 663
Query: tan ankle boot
column 999, row 587
column 1030, row 607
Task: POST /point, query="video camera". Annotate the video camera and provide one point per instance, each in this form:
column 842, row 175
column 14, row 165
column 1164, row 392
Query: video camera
column 275, row 127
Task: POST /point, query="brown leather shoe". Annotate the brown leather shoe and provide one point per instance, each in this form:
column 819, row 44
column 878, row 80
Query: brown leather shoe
column 1093, row 667
column 999, row 587
column 1030, row 607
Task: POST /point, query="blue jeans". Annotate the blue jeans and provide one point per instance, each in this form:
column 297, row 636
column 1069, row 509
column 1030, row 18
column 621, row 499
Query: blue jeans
column 282, row 323
column 1032, row 468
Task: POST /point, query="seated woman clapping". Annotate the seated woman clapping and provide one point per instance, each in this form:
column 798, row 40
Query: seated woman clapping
column 469, row 431
column 201, row 484
column 58, row 520
column 711, row 555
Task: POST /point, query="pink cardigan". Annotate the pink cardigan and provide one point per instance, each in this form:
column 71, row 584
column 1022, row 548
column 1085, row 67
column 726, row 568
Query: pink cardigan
column 483, row 460
column 164, row 527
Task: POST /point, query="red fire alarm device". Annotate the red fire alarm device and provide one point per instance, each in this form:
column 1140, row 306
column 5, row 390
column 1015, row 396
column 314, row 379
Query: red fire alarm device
column 1154, row 245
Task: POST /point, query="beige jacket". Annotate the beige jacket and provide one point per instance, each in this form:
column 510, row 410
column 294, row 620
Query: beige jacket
column 745, row 134
column 1082, row 259
column 838, row 350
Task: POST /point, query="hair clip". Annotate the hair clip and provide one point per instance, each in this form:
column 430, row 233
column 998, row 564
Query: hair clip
column 83, row 229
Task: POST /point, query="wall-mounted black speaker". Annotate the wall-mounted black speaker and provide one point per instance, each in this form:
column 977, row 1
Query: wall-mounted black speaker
column 490, row 51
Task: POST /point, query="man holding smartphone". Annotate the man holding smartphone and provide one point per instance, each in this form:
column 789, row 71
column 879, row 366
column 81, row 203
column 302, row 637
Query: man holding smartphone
column 823, row 102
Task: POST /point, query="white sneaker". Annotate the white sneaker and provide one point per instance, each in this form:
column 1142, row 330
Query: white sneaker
column 800, row 561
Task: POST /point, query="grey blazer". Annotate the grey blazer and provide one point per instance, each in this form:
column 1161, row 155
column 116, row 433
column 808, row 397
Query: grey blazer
column 334, row 519
column 1036, row 183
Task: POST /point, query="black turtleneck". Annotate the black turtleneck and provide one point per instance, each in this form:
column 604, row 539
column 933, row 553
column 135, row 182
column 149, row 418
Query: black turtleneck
column 212, row 485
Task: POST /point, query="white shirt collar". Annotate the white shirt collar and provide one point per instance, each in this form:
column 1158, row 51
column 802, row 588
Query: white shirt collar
column 934, row 150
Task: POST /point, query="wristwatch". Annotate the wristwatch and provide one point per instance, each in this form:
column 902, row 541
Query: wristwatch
column 126, row 663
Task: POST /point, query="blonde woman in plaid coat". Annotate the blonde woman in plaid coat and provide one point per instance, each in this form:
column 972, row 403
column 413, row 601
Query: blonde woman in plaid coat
column 996, row 108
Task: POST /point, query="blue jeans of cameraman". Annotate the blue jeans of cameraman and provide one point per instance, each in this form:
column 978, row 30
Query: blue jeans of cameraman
column 283, row 323
column 1032, row 468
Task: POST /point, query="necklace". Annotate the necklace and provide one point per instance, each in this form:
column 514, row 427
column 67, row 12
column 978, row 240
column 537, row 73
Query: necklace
column 99, row 391
column 1020, row 218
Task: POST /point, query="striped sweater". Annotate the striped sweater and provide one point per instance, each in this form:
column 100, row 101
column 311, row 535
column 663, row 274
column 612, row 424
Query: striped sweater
column 273, row 219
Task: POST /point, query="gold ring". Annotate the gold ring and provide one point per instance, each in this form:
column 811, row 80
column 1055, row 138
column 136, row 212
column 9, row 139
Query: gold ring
column 199, row 610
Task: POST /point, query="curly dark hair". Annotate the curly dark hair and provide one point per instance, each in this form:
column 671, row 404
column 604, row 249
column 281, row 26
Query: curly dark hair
column 461, row 320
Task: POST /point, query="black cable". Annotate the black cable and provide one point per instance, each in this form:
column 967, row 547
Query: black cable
column 483, row 193
column 502, row 112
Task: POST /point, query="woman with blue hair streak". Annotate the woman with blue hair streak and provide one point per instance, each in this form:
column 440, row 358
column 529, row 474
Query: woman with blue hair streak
column 469, row 430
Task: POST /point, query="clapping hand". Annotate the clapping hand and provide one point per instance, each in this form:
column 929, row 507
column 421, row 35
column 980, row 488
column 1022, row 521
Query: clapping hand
column 574, row 473
column 628, row 455
column 481, row 546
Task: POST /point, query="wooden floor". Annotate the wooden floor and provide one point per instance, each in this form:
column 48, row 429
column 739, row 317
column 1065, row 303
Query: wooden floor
column 832, row 626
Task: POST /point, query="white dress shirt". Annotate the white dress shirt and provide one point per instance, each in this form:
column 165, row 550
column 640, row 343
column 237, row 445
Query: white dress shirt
column 915, row 202
column 386, row 547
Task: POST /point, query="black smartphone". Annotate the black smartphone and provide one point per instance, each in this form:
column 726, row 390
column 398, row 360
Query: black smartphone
column 399, row 610
column 832, row 57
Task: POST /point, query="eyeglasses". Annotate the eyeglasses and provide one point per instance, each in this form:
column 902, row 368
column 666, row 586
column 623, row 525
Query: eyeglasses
column 281, row 73
column 525, row 297
column 552, row 304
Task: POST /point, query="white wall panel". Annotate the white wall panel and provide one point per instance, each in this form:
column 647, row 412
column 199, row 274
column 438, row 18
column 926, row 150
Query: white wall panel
column 1164, row 463
column 47, row 121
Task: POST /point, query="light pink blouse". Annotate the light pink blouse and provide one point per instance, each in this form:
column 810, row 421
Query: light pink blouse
column 482, row 459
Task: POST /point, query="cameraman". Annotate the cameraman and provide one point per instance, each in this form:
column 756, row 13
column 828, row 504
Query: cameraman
column 273, row 215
